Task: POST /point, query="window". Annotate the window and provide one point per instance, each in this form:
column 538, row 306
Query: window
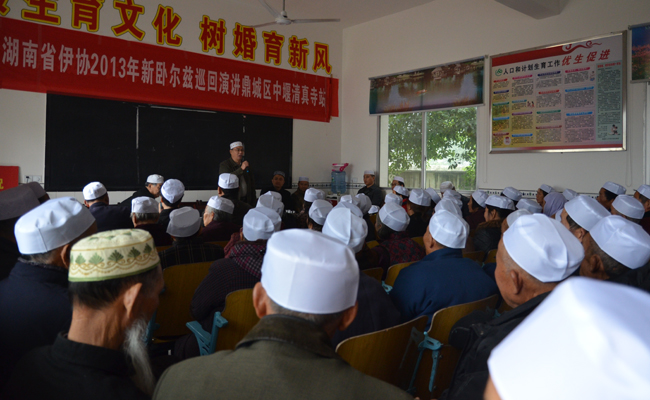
column 447, row 153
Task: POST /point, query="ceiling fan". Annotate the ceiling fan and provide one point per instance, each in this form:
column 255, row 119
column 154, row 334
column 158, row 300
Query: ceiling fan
column 282, row 19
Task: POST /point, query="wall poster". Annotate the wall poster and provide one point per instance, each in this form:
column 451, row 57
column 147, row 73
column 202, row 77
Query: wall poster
column 640, row 53
column 565, row 97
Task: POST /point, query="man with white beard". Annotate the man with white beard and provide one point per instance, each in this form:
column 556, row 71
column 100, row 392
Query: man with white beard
column 115, row 278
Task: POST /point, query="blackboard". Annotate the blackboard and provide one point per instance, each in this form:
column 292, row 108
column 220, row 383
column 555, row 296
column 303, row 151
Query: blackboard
column 120, row 144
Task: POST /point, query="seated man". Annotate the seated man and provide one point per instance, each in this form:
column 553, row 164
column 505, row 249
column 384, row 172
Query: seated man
column 567, row 366
column 34, row 300
column 371, row 189
column 393, row 238
column 310, row 196
column 643, row 195
column 298, row 197
column 108, row 217
column 308, row 291
column 145, row 215
column 535, row 254
column 151, row 190
column 277, row 185
column 171, row 196
column 242, row 269
column 217, row 220
column 614, row 247
column 318, row 214
column 608, row 193
column 102, row 354
column 628, row 207
column 581, row 214
column 443, row 278
column 229, row 189
column 397, row 181
column 14, row 203
column 187, row 248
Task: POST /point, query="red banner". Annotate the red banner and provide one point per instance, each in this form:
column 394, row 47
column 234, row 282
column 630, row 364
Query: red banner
column 49, row 59
column 8, row 177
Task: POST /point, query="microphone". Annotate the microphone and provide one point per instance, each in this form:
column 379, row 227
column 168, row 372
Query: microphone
column 242, row 160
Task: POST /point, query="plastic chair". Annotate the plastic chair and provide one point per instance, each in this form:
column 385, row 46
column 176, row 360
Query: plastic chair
column 393, row 271
column 372, row 243
column 230, row 326
column 419, row 240
column 437, row 359
column 387, row 354
column 477, row 256
column 374, row 273
column 491, row 257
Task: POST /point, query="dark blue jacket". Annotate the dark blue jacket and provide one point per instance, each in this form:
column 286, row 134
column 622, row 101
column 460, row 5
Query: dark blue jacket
column 34, row 308
column 111, row 217
column 442, row 279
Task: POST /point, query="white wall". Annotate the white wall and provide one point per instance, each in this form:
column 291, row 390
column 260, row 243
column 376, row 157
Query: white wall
column 450, row 30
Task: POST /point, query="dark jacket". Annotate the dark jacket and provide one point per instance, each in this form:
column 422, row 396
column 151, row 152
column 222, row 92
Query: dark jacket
column 417, row 226
column 142, row 192
column 111, row 217
column 375, row 193
column 477, row 334
column 248, row 196
column 475, row 219
column 639, row 278
column 34, row 308
column 487, row 236
column 442, row 279
column 372, row 235
column 73, row 371
column 8, row 256
column 645, row 222
column 240, row 211
column 164, row 218
column 219, row 231
column 282, row 357
column 158, row 233
column 298, row 199
column 286, row 197
column 189, row 251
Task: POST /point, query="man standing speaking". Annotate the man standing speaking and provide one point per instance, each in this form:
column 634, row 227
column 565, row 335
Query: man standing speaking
column 237, row 166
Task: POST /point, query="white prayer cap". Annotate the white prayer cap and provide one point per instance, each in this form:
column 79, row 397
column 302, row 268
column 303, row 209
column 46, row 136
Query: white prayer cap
column 500, row 202
column 420, row 197
column 445, row 185
column 37, row 189
column 453, row 196
column 269, row 201
column 309, row 272
column 480, row 197
column 172, row 190
column 51, row 225
column 144, row 205
column 448, row 205
column 588, row 339
column 364, row 202
column 312, row 195
column 93, row 190
column 628, row 206
column 373, row 210
column 394, row 217
column 401, row 190
column 392, row 198
column 512, row 193
column 184, row 222
column 341, row 224
column 585, row 211
column 319, row 210
column 221, row 204
column 236, row 144
column 623, row 240
column 273, row 193
column 449, row 229
column 516, row 214
column 614, row 187
column 355, row 210
column 543, row 247
column 398, row 179
column 546, row 188
column 303, row 179
column 155, row 178
column 369, row 172
column 17, row 201
column 350, row 199
column 644, row 190
column 435, row 197
column 228, row 181
column 570, row 194
column 260, row 223
column 530, row 205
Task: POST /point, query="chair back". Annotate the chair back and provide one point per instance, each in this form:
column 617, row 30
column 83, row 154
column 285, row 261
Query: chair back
column 221, row 244
column 393, row 271
column 372, row 243
column 477, row 256
column 241, row 316
column 491, row 256
column 373, row 219
column 162, row 248
column 387, row 354
column 441, row 324
column 374, row 273
column 174, row 309
column 419, row 240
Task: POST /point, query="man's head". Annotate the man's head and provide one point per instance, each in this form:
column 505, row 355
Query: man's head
column 115, row 276
column 397, row 181
column 95, row 192
column 14, row 203
column 154, row 183
column 534, row 255
column 228, row 186
column 643, row 195
column 369, row 177
column 613, row 247
column 46, row 234
column 364, row 203
column 268, row 200
column 144, row 210
column 543, row 190
column 444, row 186
column 278, row 180
column 587, row 340
column 628, row 207
column 608, row 193
column 303, row 184
column 237, row 152
column 391, row 218
column 530, row 205
column 351, row 230
column 308, row 275
column 218, row 209
column 260, row 223
column 581, row 214
column 445, row 230
column 184, row 223
column 448, row 205
column 318, row 213
column 171, row 193
column 512, row 218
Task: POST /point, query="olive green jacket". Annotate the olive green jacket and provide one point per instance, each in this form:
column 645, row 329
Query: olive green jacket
column 229, row 166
